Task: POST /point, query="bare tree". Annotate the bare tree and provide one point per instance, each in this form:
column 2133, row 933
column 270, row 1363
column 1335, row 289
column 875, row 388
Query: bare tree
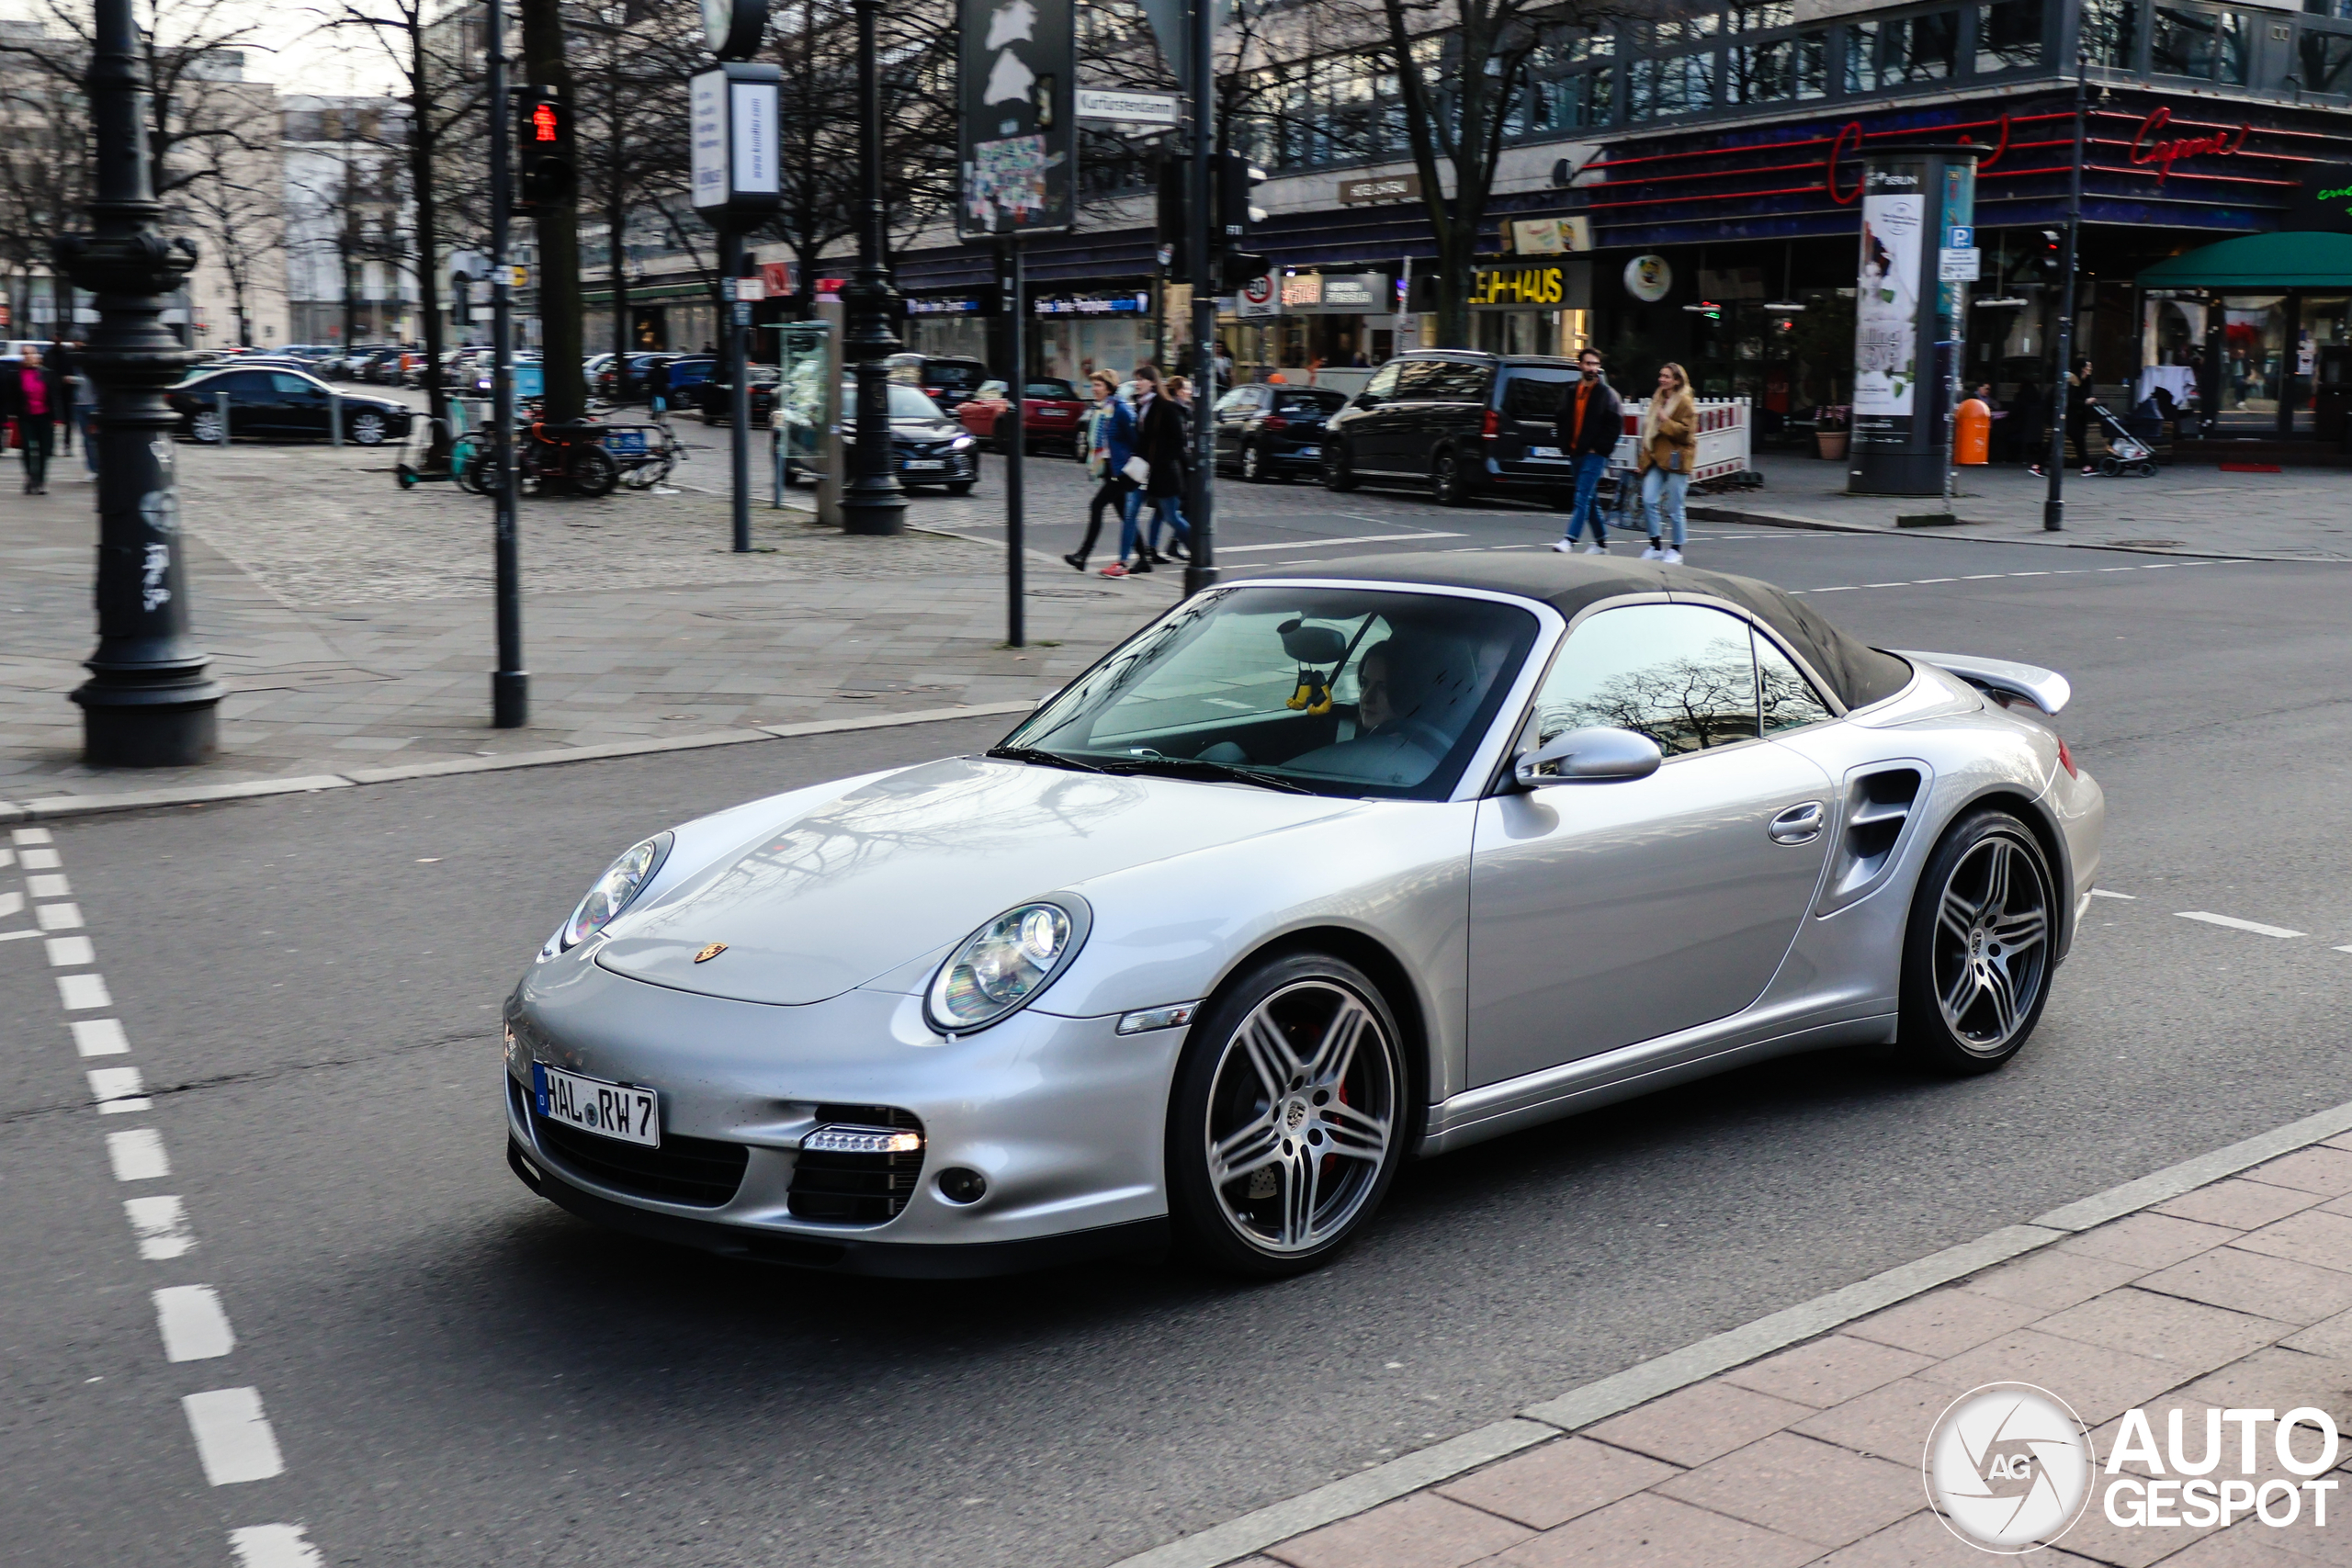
column 45, row 163
column 632, row 69
column 238, row 208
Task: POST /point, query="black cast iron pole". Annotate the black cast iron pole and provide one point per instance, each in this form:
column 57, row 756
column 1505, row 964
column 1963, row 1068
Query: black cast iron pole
column 736, row 368
column 151, row 701
column 1016, row 304
column 872, row 501
column 510, row 684
column 1199, row 571
column 2053, row 509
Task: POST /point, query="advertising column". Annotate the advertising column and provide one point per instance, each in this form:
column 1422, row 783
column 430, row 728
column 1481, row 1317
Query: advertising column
column 1903, row 314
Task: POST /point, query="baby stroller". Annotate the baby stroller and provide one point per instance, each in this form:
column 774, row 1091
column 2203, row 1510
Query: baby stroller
column 2127, row 453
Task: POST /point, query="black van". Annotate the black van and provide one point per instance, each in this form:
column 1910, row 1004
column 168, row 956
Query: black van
column 1463, row 424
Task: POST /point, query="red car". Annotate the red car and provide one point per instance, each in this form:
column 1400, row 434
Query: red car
column 1053, row 414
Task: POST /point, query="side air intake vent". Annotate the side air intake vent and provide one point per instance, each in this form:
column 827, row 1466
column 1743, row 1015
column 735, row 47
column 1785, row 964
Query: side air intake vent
column 1878, row 807
column 858, row 1167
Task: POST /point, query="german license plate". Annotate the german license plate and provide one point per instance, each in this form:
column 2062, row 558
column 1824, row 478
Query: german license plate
column 608, row 1109
column 925, row 464
column 1310, row 451
column 1053, row 414
column 1544, row 452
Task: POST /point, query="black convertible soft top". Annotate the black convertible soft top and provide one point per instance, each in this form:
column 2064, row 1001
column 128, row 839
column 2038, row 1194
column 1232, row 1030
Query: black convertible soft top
column 1861, row 674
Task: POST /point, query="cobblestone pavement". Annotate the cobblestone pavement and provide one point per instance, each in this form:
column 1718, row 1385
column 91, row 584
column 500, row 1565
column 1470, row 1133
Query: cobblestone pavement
column 2233, row 1295
column 352, row 620
column 2296, row 514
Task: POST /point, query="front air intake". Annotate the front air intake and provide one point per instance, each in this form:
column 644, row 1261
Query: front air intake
column 859, row 1165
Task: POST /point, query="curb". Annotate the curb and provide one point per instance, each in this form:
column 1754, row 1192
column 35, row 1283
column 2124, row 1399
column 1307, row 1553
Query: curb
column 53, row 808
column 1819, row 525
column 1645, row 1380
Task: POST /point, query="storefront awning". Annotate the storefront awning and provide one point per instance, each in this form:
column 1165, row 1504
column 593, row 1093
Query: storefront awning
column 2268, row 262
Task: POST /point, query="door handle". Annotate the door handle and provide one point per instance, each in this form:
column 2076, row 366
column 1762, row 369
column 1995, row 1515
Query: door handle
column 1797, row 824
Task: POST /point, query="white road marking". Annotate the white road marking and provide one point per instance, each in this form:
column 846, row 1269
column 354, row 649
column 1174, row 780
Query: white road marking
column 273, row 1546
column 160, row 1225
column 137, row 1157
column 58, row 916
column 71, row 952
column 118, row 1088
column 194, row 1323
column 39, row 860
column 7, row 857
column 2103, row 893
column 81, row 992
column 232, row 1437
column 49, row 886
column 31, row 836
column 2256, row 926
column 18, row 936
column 1354, row 539
column 99, row 1037
column 2344, row 950
column 11, row 904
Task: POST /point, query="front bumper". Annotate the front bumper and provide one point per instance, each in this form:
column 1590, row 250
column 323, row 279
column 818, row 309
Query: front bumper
column 1064, row 1118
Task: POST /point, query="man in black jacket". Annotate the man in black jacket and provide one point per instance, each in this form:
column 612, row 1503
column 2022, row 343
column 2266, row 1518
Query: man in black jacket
column 1589, row 422
column 35, row 397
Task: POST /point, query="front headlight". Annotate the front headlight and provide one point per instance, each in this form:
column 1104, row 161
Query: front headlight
column 959, row 444
column 1005, row 964
column 614, row 891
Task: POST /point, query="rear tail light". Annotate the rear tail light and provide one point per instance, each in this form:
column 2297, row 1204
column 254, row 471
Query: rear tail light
column 1493, row 425
column 2066, row 760
column 1273, row 422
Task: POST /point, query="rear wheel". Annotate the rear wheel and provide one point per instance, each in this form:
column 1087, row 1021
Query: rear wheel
column 1976, row 953
column 1253, row 464
column 1448, row 485
column 366, row 428
column 592, row 470
column 207, row 426
column 1339, row 468
column 1289, row 1117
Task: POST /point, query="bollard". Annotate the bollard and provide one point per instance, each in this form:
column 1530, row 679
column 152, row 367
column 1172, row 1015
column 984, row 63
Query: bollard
column 334, row 417
column 224, row 417
column 776, row 462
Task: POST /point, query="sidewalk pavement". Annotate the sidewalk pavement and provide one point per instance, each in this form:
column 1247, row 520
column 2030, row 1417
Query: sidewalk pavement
column 2194, row 508
column 2235, row 1293
column 353, row 622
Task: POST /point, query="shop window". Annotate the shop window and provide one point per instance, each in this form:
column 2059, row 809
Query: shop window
column 1681, row 83
column 2209, row 45
column 2110, row 34
column 1571, row 102
column 1773, row 72
column 1920, row 49
column 2324, row 62
column 1861, row 57
column 2008, row 34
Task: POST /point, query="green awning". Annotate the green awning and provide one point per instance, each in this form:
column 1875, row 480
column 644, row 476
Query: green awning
column 2268, row 262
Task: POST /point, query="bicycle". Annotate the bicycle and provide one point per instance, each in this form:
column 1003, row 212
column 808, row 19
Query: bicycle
column 571, row 455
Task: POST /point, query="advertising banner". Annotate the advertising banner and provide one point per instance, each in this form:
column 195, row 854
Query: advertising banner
column 1887, row 305
column 1915, row 204
column 1017, row 117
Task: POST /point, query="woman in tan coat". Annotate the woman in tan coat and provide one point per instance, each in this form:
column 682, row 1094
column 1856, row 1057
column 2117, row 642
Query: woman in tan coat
column 1670, row 450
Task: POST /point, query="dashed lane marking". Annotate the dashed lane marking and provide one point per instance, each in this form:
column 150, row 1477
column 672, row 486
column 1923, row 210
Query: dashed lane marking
column 273, row 1546
column 2103, row 893
column 71, row 952
column 11, row 903
column 99, row 1037
column 194, row 1323
column 233, row 1440
column 18, row 936
column 1309, row 544
column 160, row 1225
column 39, row 860
column 24, row 836
column 82, row 993
column 48, row 886
column 137, row 1156
column 2256, row 926
column 117, row 1090
column 59, row 917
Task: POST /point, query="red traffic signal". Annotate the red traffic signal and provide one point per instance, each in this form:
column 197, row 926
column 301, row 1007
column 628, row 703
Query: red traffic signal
column 545, row 171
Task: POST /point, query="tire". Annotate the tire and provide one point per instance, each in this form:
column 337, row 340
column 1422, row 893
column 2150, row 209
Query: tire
column 2110, row 468
column 1340, row 470
column 205, row 426
column 1292, row 1088
column 1447, row 485
column 961, row 487
column 592, row 471
column 366, row 428
column 1253, row 464
column 465, row 456
column 1976, row 950
column 476, row 475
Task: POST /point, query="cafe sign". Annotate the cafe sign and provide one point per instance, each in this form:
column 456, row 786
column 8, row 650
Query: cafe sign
column 1543, row 286
column 1379, row 188
column 2150, row 150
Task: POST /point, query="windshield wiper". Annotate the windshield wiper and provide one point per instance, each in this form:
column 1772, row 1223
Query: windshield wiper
column 1194, row 768
column 1043, row 758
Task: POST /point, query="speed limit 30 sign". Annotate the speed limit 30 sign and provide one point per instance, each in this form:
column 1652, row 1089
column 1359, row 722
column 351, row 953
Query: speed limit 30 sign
column 1259, row 297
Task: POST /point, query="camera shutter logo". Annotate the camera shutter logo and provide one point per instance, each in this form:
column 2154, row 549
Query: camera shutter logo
column 2008, row 1467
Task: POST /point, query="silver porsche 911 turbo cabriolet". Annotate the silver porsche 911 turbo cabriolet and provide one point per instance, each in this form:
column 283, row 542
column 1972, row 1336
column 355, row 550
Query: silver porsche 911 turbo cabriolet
column 1317, row 872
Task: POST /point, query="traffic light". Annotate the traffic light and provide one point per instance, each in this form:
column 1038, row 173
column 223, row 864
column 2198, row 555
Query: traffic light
column 1170, row 212
column 545, row 169
column 2051, row 257
column 1235, row 177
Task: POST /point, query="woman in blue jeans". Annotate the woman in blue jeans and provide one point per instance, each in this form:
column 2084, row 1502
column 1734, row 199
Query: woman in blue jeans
column 1670, row 450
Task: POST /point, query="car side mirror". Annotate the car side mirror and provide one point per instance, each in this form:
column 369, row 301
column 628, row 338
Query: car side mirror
column 1598, row 755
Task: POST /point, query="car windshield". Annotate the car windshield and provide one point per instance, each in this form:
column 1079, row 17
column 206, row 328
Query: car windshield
column 906, row 402
column 1061, row 389
column 1340, row 691
column 946, row 373
column 1310, row 402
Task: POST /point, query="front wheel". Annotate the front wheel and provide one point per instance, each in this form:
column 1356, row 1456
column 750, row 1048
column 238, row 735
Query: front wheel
column 208, row 427
column 1253, row 464
column 1289, row 1118
column 1340, row 470
column 368, row 429
column 1976, row 952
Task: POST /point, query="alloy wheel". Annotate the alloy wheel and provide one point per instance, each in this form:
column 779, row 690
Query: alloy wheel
column 1445, row 480
column 367, row 429
column 1992, row 943
column 1301, row 1114
column 1253, row 465
column 206, row 426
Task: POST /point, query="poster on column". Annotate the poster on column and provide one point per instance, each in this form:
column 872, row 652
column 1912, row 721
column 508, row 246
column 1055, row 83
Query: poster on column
column 1886, row 303
column 1017, row 123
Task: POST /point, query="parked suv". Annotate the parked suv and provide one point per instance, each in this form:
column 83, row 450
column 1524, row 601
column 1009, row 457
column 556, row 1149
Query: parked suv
column 1465, row 424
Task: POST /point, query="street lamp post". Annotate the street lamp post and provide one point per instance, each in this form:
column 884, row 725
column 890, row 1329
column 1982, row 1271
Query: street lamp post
column 872, row 501
column 2053, row 508
column 151, row 701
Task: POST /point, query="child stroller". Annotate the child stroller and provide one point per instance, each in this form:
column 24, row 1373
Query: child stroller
column 2127, row 453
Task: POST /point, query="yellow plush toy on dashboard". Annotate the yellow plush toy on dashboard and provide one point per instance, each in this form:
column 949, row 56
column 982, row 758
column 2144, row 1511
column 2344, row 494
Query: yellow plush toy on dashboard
column 1314, row 694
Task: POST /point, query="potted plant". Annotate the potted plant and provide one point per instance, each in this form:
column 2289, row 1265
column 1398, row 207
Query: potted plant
column 1830, row 430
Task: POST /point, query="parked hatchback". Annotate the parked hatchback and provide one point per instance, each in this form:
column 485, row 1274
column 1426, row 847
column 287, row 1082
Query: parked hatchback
column 1464, row 424
column 1274, row 433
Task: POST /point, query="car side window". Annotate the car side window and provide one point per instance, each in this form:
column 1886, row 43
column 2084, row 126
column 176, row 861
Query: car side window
column 1384, row 380
column 1418, row 379
column 1238, row 398
column 1785, row 697
column 1682, row 674
column 290, row 386
column 1459, row 383
column 1535, row 395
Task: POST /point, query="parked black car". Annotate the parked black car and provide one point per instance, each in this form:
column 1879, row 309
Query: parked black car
column 283, row 403
column 716, row 399
column 1464, row 424
column 931, row 449
column 945, row 379
column 1274, row 433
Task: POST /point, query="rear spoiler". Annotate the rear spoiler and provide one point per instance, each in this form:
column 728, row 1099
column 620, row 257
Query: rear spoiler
column 2045, row 689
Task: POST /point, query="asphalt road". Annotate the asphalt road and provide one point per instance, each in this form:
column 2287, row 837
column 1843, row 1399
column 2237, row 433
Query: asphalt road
column 457, row 1373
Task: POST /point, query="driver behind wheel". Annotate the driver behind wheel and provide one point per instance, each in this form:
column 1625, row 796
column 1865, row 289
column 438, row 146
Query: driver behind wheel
column 1413, row 691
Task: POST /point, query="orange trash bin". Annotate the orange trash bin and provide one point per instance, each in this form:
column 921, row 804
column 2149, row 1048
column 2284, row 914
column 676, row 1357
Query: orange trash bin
column 1973, row 432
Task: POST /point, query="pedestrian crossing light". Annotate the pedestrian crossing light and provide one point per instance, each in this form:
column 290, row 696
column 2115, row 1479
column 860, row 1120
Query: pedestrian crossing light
column 546, row 171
